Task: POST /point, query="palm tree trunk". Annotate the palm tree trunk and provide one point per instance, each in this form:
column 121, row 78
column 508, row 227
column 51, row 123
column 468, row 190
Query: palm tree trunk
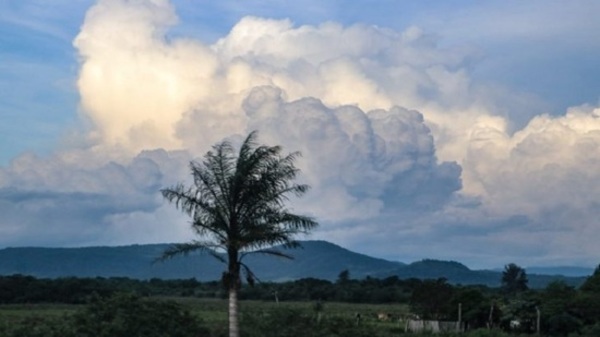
column 234, row 324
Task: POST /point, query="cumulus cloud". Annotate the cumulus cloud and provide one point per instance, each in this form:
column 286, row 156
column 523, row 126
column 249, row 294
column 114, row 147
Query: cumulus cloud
column 547, row 164
column 361, row 164
column 134, row 84
column 402, row 148
column 141, row 88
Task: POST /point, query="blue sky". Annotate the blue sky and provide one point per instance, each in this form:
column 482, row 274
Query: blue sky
column 460, row 130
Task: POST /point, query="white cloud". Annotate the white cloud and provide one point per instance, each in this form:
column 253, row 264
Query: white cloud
column 134, row 84
column 403, row 149
column 548, row 164
column 361, row 164
column 183, row 80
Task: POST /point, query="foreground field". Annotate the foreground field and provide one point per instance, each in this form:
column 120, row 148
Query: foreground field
column 15, row 312
column 213, row 312
column 133, row 316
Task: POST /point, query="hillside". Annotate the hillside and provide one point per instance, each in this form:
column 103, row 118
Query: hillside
column 457, row 273
column 317, row 259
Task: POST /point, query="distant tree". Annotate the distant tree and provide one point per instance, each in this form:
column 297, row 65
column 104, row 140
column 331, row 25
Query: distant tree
column 475, row 307
column 514, row 279
column 432, row 299
column 587, row 301
column 308, row 289
column 592, row 283
column 522, row 309
column 343, row 277
column 237, row 206
column 557, row 299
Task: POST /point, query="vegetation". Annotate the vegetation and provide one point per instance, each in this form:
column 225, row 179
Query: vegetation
column 129, row 315
column 121, row 315
column 237, row 206
column 306, row 307
column 514, row 279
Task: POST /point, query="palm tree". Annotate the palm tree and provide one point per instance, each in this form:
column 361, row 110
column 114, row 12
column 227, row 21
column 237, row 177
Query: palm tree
column 237, row 206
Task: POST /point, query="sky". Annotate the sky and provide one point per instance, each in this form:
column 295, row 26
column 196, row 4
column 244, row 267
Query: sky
column 452, row 130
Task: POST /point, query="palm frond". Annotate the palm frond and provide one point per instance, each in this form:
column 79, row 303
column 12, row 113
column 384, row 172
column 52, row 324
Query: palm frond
column 185, row 199
column 250, row 276
column 208, row 187
column 272, row 252
column 237, row 203
column 188, row 248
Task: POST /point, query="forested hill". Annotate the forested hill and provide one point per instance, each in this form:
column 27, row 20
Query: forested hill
column 317, row 259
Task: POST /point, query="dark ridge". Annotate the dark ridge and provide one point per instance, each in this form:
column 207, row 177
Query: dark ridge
column 316, row 259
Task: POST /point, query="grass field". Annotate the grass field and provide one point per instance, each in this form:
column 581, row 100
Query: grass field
column 10, row 312
column 258, row 318
column 214, row 311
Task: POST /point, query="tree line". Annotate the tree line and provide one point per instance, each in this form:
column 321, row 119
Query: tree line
column 72, row 290
column 562, row 309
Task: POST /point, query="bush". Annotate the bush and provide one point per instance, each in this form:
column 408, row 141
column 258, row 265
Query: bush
column 126, row 315
column 37, row 327
column 589, row 331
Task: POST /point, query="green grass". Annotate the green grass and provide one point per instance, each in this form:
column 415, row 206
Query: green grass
column 27, row 310
column 214, row 311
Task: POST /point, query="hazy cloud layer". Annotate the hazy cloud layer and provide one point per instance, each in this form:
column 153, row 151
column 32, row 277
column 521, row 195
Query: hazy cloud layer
column 404, row 150
column 68, row 199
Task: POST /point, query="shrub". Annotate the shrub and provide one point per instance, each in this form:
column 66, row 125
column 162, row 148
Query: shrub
column 37, row 327
column 126, row 315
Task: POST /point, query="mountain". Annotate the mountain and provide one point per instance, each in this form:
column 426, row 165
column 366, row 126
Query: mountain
column 561, row 270
column 317, row 259
column 457, row 273
column 454, row 272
